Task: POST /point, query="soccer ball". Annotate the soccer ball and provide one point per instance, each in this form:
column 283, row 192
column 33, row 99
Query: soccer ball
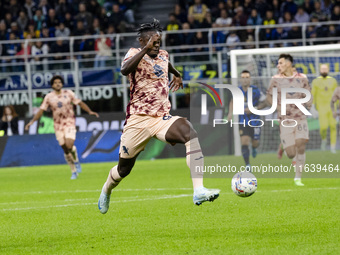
column 244, row 184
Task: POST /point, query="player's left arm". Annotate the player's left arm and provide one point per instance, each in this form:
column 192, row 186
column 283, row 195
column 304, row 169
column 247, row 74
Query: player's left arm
column 261, row 100
column 87, row 109
column 176, row 82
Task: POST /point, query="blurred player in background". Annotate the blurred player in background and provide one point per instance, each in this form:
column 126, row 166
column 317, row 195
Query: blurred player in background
column 61, row 102
column 295, row 138
column 249, row 134
column 148, row 116
column 335, row 98
column 280, row 149
column 323, row 88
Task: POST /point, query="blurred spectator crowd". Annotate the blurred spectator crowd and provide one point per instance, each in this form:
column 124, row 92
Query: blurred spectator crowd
column 27, row 19
column 191, row 14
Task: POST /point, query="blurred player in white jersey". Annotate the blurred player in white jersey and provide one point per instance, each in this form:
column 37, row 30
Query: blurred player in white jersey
column 294, row 137
column 61, row 102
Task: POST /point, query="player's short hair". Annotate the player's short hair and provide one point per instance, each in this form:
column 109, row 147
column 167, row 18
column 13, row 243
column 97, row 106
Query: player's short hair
column 287, row 57
column 147, row 27
column 245, row 71
column 57, row 77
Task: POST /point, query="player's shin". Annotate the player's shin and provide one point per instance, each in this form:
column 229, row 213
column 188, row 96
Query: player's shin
column 245, row 153
column 75, row 154
column 195, row 162
column 300, row 163
column 112, row 180
column 70, row 161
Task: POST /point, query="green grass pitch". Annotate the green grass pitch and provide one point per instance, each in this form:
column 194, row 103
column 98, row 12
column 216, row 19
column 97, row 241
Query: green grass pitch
column 151, row 212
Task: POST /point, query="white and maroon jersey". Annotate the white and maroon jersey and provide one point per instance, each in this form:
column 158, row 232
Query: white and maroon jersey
column 62, row 108
column 149, row 88
column 298, row 80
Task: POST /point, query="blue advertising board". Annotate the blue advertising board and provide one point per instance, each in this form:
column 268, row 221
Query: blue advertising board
column 42, row 80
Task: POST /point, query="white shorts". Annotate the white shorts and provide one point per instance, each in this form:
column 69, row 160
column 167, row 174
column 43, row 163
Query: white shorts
column 138, row 131
column 288, row 135
column 66, row 133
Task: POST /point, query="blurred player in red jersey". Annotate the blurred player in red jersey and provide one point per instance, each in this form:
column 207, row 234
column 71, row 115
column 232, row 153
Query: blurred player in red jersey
column 295, row 138
column 61, row 102
column 148, row 114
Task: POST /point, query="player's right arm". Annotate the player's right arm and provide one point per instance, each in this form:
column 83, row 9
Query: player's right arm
column 269, row 95
column 43, row 107
column 230, row 111
column 35, row 118
column 131, row 64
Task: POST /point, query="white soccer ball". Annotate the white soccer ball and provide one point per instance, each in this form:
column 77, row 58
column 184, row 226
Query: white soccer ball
column 244, row 184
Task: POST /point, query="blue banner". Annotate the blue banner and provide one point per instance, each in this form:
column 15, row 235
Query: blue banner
column 29, row 150
column 42, row 80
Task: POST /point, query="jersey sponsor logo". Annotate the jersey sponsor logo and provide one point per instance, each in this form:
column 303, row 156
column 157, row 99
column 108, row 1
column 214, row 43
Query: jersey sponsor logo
column 60, row 104
column 158, row 70
column 167, row 117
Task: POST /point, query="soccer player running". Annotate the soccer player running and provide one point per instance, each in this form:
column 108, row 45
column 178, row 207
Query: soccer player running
column 249, row 134
column 61, row 102
column 323, row 88
column 280, row 149
column 293, row 138
column 147, row 114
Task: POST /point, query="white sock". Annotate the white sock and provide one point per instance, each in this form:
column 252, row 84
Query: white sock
column 195, row 162
column 70, row 161
column 300, row 163
column 112, row 180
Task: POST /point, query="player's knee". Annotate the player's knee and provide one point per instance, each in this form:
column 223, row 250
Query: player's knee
column 290, row 154
column 124, row 170
column 125, row 166
column 190, row 135
column 255, row 143
column 186, row 133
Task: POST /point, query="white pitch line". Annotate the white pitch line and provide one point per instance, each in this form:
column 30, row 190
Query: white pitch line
column 143, row 199
column 82, row 204
column 87, row 191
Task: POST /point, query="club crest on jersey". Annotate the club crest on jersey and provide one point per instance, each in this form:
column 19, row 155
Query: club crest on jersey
column 162, row 58
column 126, row 150
column 158, row 70
column 291, row 93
